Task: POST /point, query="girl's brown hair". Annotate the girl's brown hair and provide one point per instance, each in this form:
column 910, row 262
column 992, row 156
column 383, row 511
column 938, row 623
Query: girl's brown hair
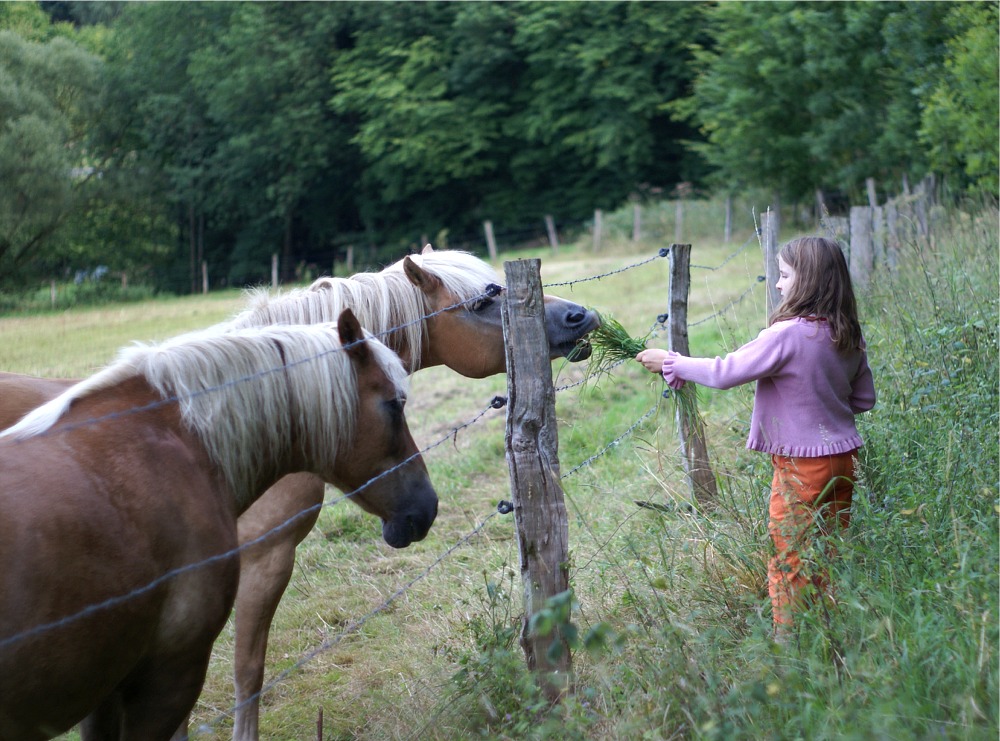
column 822, row 288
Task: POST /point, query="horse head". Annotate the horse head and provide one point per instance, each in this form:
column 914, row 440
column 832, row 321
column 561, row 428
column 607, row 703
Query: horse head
column 467, row 335
column 382, row 469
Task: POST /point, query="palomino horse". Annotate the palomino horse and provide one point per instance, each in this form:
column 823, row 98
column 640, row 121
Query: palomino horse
column 119, row 499
column 441, row 302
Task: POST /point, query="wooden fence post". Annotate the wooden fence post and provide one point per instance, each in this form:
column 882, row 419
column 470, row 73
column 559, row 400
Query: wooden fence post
column 274, row 270
column 598, row 226
column 729, row 217
column 861, row 259
column 769, row 228
column 690, row 429
column 550, row 227
column 491, row 242
column 532, row 458
column 204, row 276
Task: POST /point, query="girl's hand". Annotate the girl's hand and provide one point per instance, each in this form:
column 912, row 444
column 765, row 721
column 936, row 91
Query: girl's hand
column 652, row 359
column 656, row 361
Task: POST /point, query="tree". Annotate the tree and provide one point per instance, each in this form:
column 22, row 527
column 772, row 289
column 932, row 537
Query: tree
column 796, row 96
column 959, row 122
column 49, row 93
column 281, row 153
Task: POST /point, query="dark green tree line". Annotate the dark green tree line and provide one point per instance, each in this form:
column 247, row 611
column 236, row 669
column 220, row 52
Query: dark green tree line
column 161, row 135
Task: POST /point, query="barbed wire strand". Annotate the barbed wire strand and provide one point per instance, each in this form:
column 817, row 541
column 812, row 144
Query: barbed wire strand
column 181, row 570
column 491, row 291
column 358, row 623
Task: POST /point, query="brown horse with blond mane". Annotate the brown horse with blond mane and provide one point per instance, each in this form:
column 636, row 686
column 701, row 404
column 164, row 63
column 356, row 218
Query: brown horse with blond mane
column 119, row 500
column 431, row 309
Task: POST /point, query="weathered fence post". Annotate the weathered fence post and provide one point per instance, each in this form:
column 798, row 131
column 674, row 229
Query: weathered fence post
column 636, row 222
column 274, row 270
column 690, row 429
column 729, row 217
column 598, row 226
column 862, row 256
column 491, row 242
column 769, row 230
column 204, row 276
column 550, row 227
column 532, row 458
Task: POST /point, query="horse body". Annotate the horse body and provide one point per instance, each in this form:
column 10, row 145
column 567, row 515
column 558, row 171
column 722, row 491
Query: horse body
column 431, row 309
column 75, row 542
column 119, row 501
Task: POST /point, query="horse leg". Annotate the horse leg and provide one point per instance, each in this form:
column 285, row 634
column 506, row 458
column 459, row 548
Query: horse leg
column 157, row 702
column 105, row 722
column 265, row 570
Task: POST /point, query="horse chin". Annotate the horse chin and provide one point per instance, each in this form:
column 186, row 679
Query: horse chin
column 571, row 342
column 401, row 532
column 576, row 351
column 395, row 534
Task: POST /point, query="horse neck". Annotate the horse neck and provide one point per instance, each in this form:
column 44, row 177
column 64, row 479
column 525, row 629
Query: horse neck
column 137, row 409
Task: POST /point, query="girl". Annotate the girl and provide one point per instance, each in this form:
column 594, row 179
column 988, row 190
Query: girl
column 812, row 377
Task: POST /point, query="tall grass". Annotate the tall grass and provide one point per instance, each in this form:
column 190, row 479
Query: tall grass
column 910, row 649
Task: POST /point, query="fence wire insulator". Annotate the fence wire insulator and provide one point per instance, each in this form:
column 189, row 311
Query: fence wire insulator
column 504, row 507
column 664, row 251
column 493, row 290
column 662, row 318
column 666, row 393
column 761, row 278
column 498, row 402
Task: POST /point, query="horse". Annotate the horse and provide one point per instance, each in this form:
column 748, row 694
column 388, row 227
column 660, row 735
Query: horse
column 119, row 500
column 431, row 309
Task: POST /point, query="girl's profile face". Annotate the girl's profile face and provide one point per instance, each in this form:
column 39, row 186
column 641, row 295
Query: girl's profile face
column 786, row 277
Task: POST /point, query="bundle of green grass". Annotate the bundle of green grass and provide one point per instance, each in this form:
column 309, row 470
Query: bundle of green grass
column 611, row 345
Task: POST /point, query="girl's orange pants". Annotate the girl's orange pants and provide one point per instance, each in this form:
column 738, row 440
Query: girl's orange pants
column 810, row 499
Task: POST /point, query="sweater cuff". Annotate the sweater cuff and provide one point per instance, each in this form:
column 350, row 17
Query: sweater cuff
column 669, row 371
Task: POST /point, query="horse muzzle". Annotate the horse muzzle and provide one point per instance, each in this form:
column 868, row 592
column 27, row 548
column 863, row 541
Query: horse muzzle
column 413, row 524
column 567, row 332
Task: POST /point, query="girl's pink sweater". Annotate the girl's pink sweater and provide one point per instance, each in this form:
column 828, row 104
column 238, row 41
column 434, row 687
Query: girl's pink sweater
column 807, row 392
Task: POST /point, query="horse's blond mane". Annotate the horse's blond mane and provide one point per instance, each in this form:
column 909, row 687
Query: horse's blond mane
column 385, row 303
column 243, row 392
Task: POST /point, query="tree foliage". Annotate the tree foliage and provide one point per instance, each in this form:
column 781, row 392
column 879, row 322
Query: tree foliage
column 957, row 127
column 798, row 96
column 162, row 135
column 49, row 94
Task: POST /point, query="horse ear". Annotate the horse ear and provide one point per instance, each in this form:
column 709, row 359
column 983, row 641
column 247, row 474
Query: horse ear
column 351, row 334
column 419, row 277
column 427, row 249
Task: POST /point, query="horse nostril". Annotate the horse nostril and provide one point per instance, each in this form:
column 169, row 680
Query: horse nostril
column 576, row 316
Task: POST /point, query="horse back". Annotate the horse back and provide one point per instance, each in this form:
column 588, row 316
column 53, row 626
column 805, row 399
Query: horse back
column 19, row 394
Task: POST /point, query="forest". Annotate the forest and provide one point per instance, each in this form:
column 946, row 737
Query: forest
column 145, row 139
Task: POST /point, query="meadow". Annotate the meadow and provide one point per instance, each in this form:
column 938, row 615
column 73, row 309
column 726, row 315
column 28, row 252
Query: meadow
column 670, row 603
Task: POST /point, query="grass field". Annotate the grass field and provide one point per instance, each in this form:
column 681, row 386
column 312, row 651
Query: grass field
column 673, row 604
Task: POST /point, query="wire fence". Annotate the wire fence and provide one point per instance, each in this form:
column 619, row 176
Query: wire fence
column 495, row 404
